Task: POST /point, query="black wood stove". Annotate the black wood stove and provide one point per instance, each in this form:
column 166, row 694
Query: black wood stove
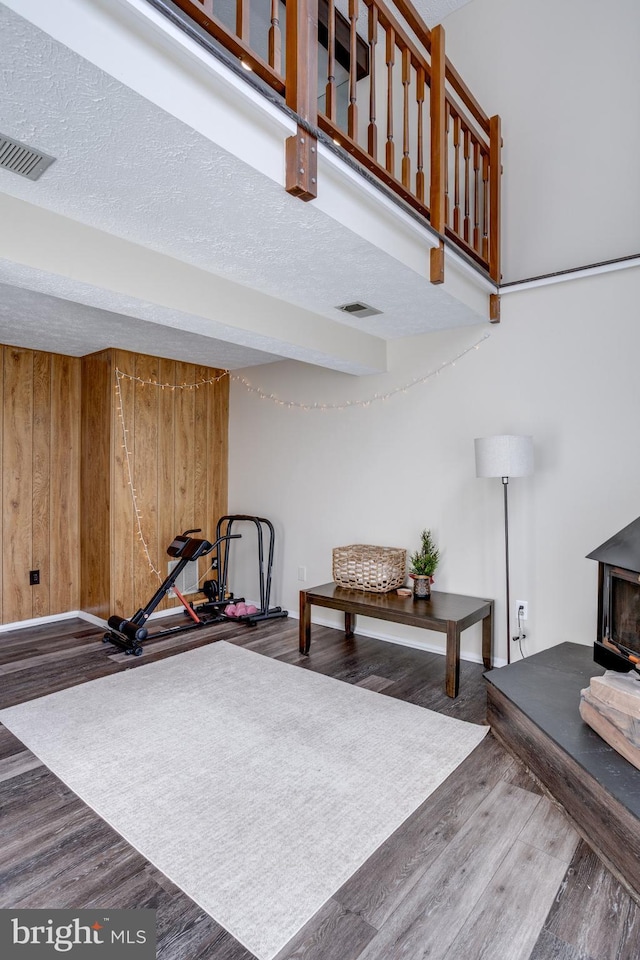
column 617, row 646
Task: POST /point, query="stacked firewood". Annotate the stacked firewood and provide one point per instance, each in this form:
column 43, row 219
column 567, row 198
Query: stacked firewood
column 611, row 706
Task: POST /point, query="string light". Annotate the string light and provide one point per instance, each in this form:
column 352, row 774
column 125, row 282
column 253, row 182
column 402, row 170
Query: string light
column 295, row 404
column 120, row 375
column 171, row 386
column 134, row 495
column 347, row 404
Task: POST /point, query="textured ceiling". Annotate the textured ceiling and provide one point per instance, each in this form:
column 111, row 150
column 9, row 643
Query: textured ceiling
column 130, row 169
column 67, row 325
column 434, row 11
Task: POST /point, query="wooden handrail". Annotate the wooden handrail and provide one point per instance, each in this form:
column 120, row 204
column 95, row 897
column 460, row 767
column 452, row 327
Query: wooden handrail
column 466, row 96
column 389, row 22
column 456, row 112
column 384, row 70
column 232, row 42
column 408, row 11
column 422, row 32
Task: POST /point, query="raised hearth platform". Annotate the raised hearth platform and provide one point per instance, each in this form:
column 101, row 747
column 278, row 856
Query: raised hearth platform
column 533, row 708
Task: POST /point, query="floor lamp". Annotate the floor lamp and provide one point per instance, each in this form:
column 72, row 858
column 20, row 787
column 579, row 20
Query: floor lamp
column 505, row 456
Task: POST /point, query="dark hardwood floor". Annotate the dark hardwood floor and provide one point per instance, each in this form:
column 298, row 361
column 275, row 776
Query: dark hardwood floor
column 487, row 867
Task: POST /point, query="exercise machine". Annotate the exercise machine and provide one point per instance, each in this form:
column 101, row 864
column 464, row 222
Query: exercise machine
column 129, row 634
column 215, row 590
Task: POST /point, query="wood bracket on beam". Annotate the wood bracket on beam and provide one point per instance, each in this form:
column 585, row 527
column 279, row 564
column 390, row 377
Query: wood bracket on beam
column 494, row 308
column 436, row 263
column 301, row 162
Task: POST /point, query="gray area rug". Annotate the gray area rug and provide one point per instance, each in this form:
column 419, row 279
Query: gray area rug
column 256, row 786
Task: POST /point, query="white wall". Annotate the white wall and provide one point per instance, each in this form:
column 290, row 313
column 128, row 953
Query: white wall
column 561, row 366
column 564, row 75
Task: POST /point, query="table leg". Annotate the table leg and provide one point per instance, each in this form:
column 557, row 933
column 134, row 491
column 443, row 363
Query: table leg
column 305, row 624
column 349, row 624
column 487, row 640
column 453, row 659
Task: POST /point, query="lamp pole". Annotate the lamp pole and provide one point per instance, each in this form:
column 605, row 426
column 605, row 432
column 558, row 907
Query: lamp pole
column 505, row 487
column 505, row 456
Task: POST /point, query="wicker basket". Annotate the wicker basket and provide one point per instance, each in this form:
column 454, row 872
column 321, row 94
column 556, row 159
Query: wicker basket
column 365, row 567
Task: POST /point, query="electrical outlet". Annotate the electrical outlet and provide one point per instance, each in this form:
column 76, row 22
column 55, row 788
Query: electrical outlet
column 34, row 578
column 302, row 574
column 522, row 609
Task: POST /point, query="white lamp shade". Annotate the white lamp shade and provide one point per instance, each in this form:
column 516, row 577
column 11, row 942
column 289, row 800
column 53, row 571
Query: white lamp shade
column 504, row 456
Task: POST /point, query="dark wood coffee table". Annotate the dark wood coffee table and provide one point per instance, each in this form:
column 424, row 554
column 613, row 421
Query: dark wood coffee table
column 448, row 613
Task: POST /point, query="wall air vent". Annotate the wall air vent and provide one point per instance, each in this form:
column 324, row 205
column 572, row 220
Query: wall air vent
column 19, row 158
column 359, row 309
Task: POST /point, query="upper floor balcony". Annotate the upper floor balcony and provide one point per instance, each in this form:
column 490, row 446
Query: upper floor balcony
column 377, row 82
column 184, row 133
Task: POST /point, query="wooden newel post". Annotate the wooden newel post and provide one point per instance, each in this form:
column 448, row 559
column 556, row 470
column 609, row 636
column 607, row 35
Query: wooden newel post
column 438, row 149
column 495, row 177
column 301, row 85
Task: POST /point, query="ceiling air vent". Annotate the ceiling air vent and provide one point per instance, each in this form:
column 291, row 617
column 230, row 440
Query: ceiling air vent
column 359, row 309
column 20, row 158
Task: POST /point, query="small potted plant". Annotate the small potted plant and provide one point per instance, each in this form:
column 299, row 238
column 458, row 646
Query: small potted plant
column 423, row 564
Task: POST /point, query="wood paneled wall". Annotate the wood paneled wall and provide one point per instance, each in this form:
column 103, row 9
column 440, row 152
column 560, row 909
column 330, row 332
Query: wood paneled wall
column 178, row 445
column 67, row 509
column 95, row 493
column 40, row 449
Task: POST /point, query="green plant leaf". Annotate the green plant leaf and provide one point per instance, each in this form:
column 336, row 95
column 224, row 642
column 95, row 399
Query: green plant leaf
column 425, row 560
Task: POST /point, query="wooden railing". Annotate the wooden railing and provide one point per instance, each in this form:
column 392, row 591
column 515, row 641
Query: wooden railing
column 378, row 82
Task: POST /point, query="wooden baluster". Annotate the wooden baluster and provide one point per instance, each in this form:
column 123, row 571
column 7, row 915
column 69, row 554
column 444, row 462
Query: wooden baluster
column 438, row 135
column 352, row 112
column 466, row 228
column 420, row 157
column 242, row 19
column 330, row 90
column 485, row 206
column 495, row 176
column 406, row 80
column 476, row 195
column 447, row 119
column 391, row 55
column 301, row 88
column 275, row 38
column 456, row 175
column 372, row 131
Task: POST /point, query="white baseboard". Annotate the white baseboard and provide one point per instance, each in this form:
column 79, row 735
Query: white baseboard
column 53, row 618
column 80, row 614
